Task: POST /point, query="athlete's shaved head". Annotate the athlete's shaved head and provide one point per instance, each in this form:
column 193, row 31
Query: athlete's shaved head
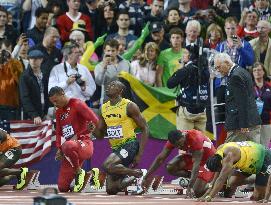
column 175, row 135
column 57, row 97
column 214, row 163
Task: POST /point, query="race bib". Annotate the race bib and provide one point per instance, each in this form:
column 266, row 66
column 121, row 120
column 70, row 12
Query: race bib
column 67, row 132
column 114, row 132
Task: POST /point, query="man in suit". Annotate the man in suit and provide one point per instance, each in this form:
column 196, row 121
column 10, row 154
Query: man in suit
column 242, row 119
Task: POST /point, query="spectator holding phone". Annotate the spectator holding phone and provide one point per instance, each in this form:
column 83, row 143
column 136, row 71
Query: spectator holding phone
column 20, row 50
column 239, row 50
column 111, row 65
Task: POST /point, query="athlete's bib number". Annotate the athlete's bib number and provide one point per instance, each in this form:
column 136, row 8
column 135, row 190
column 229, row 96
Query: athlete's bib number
column 67, row 131
column 243, row 144
column 114, row 132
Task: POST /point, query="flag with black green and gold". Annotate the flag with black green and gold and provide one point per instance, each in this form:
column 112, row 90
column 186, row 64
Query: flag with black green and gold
column 156, row 104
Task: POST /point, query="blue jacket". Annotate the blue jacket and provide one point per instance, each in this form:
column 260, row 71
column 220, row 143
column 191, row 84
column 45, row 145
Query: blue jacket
column 245, row 53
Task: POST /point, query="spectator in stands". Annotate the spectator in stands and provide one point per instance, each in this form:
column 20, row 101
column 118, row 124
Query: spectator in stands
column 14, row 7
column 90, row 8
column 214, row 36
column 111, row 65
column 33, row 89
column 65, row 21
column 32, row 6
column 73, row 78
column 168, row 60
column 137, row 9
column 247, row 25
column 185, row 9
column 262, row 45
column 35, row 35
column 157, row 7
column 6, row 31
column 263, row 9
column 144, row 69
column 262, row 93
column 20, row 51
column 107, row 21
column 192, row 40
column 173, row 19
column 238, row 49
column 55, row 9
column 158, row 35
column 10, row 71
column 52, row 55
column 123, row 21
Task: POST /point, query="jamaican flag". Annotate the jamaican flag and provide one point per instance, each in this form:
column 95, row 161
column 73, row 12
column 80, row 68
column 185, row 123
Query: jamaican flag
column 156, row 104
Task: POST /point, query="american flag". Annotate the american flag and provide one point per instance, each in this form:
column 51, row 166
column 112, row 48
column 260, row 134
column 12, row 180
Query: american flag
column 36, row 140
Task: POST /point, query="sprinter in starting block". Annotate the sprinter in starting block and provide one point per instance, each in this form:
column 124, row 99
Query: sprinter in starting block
column 191, row 164
column 10, row 152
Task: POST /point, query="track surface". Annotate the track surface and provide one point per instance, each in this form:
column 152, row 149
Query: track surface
column 10, row 197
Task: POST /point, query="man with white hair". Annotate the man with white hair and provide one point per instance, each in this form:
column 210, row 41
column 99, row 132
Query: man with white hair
column 262, row 45
column 242, row 119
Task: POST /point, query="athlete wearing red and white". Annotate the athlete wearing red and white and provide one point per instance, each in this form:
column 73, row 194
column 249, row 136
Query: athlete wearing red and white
column 198, row 148
column 195, row 141
column 72, row 122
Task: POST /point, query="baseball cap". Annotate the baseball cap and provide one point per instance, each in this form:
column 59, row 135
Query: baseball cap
column 35, row 54
column 156, row 27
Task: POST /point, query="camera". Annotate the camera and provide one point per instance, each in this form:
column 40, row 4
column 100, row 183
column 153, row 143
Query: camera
column 234, row 37
column 78, row 80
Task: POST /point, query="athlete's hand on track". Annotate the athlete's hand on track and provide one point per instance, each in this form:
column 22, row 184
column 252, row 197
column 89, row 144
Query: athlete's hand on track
column 263, row 201
column 190, row 193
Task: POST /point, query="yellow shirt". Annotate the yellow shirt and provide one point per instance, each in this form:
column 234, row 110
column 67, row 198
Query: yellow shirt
column 252, row 156
column 120, row 127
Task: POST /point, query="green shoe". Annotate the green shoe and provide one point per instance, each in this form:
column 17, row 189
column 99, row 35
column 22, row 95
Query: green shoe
column 95, row 178
column 22, row 178
column 79, row 181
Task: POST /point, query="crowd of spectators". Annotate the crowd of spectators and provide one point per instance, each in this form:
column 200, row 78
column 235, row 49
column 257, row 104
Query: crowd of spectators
column 82, row 45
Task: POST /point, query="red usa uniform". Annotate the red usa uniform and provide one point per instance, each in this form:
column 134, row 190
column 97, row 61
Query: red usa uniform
column 73, row 120
column 196, row 141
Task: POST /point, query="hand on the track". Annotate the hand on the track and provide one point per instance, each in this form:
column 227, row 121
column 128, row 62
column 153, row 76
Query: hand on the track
column 59, row 155
column 190, row 193
column 263, row 201
column 205, row 199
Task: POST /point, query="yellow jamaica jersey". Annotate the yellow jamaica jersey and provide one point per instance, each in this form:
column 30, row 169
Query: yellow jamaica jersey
column 120, row 127
column 252, row 155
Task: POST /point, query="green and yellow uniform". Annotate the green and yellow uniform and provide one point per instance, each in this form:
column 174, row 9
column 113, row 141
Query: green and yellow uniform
column 120, row 127
column 252, row 156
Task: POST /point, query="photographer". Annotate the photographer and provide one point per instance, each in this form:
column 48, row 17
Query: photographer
column 73, row 78
column 193, row 81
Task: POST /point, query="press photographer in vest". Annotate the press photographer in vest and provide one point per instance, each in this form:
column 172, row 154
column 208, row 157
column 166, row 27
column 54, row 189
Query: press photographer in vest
column 192, row 80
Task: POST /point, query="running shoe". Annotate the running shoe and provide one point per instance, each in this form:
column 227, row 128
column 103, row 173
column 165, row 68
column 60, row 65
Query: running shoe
column 79, row 181
column 95, row 178
column 22, row 179
column 184, row 182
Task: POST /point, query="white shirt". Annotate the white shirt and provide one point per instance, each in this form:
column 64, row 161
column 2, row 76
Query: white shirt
column 145, row 74
column 58, row 77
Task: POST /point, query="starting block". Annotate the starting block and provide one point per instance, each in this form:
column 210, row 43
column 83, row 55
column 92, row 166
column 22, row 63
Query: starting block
column 155, row 187
column 34, row 183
